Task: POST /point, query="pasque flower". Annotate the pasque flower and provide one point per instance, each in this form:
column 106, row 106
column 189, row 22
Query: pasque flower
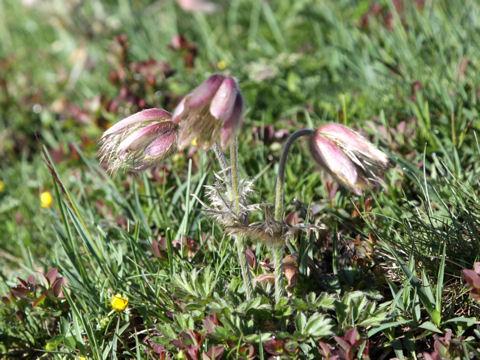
column 140, row 141
column 210, row 111
column 201, row 6
column 346, row 155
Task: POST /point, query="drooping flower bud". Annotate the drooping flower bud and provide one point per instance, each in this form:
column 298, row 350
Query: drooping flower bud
column 212, row 110
column 200, row 6
column 352, row 142
column 346, row 155
column 139, row 141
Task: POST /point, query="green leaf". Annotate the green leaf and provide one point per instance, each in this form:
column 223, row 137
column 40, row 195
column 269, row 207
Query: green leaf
column 300, row 321
column 430, row 326
column 318, row 325
column 389, row 325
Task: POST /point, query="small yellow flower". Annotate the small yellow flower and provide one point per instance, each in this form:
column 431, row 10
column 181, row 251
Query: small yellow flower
column 2, row 185
column 46, row 199
column 222, row 64
column 119, row 302
column 194, row 142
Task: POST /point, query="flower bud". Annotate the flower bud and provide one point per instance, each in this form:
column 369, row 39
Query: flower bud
column 352, row 142
column 331, row 158
column 140, row 141
column 200, row 6
column 346, row 155
column 210, row 111
column 139, row 119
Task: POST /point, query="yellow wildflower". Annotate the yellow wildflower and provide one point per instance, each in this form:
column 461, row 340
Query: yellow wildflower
column 222, row 64
column 46, row 199
column 119, row 302
column 2, row 185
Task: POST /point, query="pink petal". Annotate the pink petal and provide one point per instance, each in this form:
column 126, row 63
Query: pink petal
column 333, row 160
column 351, row 139
column 224, row 99
column 202, row 6
column 162, row 144
column 178, row 112
column 144, row 136
column 144, row 115
column 230, row 126
column 203, row 94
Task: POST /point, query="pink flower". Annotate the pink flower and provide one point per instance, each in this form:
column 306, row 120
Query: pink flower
column 212, row 110
column 352, row 142
column 346, row 155
column 139, row 141
column 201, row 6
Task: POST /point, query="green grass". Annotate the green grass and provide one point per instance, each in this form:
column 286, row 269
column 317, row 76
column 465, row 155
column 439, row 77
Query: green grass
column 390, row 263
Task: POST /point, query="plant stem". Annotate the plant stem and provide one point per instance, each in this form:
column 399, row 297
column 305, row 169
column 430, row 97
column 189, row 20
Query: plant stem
column 234, row 170
column 277, row 262
column 220, row 157
column 281, row 171
column 242, row 258
column 279, row 249
column 241, row 248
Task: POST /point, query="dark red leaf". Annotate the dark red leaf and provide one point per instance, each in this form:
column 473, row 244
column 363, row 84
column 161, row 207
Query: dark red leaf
column 472, row 278
column 32, row 280
column 343, row 344
column 251, row 259
column 192, row 352
column 292, row 218
column 214, row 353
column 273, row 347
column 351, row 335
column 196, row 337
column 19, row 291
column 23, row 282
column 324, row 349
column 211, row 322
column 178, row 343
column 51, row 275
column 57, row 288
column 156, row 249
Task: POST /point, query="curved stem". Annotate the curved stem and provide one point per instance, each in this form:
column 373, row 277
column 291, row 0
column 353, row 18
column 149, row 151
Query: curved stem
column 241, row 248
column 279, row 249
column 281, row 171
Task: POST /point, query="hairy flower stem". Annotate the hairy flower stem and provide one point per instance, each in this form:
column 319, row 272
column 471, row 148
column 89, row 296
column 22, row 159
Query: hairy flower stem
column 220, row 157
column 278, row 249
column 241, row 248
